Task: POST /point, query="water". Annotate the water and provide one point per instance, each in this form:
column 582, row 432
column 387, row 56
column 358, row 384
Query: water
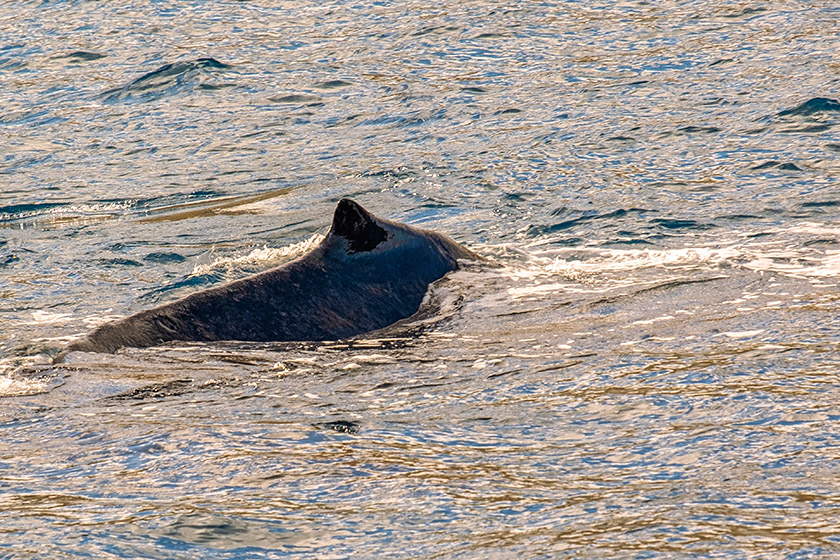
column 651, row 373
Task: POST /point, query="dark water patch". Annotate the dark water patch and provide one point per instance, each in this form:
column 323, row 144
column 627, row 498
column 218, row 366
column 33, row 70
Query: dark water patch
column 144, row 150
column 118, row 262
column 739, row 217
column 332, row 84
column 425, row 118
column 214, row 87
column 621, row 139
column 11, row 63
column 156, row 391
column 517, row 196
column 822, row 242
column 721, row 61
column 587, row 216
column 83, row 56
column 810, row 129
column 714, row 101
column 169, row 79
column 435, row 30
column 746, row 12
column 343, row 426
column 384, row 120
column 671, row 223
column 118, row 247
column 163, row 258
column 502, row 374
column 813, row 106
column 298, row 98
column 698, row 130
column 630, row 241
column 832, row 147
column 30, row 117
column 6, row 260
column 339, row 121
column 676, row 284
column 821, row 204
column 784, row 166
column 759, row 130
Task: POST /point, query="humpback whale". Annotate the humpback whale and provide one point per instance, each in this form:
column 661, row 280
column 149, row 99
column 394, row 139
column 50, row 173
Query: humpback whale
column 366, row 274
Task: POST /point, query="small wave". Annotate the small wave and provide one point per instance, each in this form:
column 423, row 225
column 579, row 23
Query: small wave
column 798, row 264
column 300, row 98
column 572, row 220
column 575, row 263
column 42, row 317
column 782, row 165
column 260, row 256
column 790, row 252
column 169, row 79
column 84, row 56
column 29, row 375
column 332, row 84
column 811, row 107
column 61, row 211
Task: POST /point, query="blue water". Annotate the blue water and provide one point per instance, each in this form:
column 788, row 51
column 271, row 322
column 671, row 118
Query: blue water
column 652, row 371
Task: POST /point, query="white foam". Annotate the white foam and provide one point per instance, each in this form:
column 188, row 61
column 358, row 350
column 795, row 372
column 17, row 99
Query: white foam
column 741, row 334
column 781, row 250
column 652, row 321
column 80, row 210
column 798, row 263
column 621, row 260
column 261, row 255
column 13, row 384
column 538, row 289
column 47, row 318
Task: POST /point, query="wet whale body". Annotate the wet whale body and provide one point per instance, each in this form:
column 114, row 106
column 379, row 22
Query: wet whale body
column 366, row 274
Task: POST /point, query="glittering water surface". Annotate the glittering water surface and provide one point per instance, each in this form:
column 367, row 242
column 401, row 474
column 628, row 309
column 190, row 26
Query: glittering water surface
column 651, row 372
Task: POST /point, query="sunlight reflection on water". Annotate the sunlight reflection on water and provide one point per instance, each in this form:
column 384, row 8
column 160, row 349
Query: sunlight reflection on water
column 650, row 372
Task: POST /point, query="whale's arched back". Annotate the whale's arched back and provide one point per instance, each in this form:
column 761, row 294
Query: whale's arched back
column 366, row 274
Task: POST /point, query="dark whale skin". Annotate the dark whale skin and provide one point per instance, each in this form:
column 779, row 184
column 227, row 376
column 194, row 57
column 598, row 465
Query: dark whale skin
column 366, row 274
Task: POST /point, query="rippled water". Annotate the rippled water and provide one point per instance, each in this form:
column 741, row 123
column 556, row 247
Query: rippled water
column 651, row 373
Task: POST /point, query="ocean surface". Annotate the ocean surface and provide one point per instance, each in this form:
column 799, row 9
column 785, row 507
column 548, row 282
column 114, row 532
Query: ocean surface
column 652, row 370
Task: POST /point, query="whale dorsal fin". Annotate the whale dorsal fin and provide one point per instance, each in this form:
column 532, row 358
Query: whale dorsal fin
column 357, row 226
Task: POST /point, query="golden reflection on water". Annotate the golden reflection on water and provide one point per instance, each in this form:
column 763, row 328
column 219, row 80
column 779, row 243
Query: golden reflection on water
column 652, row 373
column 215, row 206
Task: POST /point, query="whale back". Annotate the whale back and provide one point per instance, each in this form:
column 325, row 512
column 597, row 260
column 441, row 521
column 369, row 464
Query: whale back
column 366, row 274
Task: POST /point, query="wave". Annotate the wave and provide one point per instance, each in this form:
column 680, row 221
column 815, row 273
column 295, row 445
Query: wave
column 260, row 256
column 28, row 375
column 813, row 106
column 63, row 211
column 809, row 251
column 169, row 79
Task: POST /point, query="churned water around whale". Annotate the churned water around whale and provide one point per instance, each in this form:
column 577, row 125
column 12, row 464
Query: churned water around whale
column 651, row 372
